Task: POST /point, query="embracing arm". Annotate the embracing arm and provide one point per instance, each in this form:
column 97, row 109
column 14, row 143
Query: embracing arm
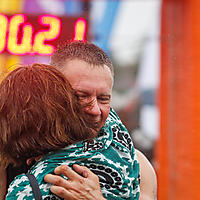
column 148, row 182
column 2, row 183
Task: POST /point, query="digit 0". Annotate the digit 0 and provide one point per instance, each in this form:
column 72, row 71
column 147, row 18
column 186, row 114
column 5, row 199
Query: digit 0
column 3, row 31
column 12, row 46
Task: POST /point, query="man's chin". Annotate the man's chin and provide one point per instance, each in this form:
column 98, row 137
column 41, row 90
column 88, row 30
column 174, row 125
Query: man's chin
column 96, row 125
column 95, row 132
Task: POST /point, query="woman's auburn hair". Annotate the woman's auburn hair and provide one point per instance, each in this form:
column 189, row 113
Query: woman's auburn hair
column 39, row 113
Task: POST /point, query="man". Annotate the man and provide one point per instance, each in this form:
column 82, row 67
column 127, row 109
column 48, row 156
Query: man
column 91, row 75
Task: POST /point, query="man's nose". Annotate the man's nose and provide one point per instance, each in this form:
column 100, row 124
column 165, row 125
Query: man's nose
column 94, row 108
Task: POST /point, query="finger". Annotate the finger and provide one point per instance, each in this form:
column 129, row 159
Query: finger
column 61, row 192
column 68, row 172
column 84, row 171
column 56, row 180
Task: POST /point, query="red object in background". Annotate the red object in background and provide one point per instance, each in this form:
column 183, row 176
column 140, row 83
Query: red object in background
column 22, row 35
column 178, row 149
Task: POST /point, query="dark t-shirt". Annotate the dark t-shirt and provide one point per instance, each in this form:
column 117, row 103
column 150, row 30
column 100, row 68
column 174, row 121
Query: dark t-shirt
column 14, row 171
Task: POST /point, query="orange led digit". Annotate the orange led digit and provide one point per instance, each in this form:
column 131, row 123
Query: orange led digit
column 3, row 28
column 80, row 29
column 12, row 46
column 47, row 35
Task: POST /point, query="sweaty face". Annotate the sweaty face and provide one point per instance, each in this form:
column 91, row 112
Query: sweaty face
column 92, row 84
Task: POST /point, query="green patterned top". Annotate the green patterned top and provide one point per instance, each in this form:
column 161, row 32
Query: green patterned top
column 110, row 155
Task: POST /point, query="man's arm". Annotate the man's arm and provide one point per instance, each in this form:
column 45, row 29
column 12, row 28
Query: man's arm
column 148, row 182
column 2, row 183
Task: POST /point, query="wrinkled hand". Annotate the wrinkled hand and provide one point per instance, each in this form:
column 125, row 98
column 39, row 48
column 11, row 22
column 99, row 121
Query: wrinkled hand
column 85, row 187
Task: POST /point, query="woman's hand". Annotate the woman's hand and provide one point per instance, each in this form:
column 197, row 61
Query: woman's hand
column 81, row 185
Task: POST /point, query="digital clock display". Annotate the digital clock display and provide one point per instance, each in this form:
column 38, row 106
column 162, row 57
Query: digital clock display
column 23, row 35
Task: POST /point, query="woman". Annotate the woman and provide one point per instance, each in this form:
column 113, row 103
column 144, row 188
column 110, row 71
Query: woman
column 40, row 118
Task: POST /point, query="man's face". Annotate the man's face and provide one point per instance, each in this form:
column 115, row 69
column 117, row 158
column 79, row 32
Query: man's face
column 92, row 84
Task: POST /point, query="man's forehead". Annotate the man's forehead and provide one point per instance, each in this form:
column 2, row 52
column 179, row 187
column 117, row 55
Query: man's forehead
column 81, row 65
column 91, row 91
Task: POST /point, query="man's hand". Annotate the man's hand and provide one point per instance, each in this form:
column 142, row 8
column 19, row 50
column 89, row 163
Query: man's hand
column 84, row 186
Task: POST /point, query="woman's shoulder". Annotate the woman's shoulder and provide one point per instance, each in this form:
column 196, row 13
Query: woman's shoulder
column 20, row 188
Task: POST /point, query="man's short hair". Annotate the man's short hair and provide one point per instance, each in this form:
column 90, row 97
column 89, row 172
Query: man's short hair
column 38, row 113
column 83, row 50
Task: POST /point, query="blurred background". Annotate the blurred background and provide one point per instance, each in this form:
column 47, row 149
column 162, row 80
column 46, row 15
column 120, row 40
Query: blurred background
column 154, row 47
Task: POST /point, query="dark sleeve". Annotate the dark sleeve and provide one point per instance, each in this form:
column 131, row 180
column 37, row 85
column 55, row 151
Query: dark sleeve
column 14, row 171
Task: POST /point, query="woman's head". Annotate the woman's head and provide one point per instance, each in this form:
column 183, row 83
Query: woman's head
column 38, row 113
